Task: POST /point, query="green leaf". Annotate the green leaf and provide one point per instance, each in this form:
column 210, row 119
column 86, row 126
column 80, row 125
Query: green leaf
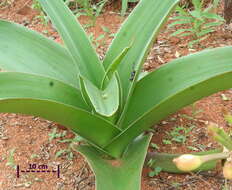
column 228, row 118
column 106, row 29
column 212, row 24
column 105, row 102
column 99, row 7
column 78, row 120
column 185, row 34
column 142, row 74
column 182, row 11
column 155, row 146
column 113, row 67
column 220, row 136
column 177, row 84
column 61, row 152
column 196, row 14
column 100, row 37
column 11, row 160
column 197, row 25
column 84, row 92
column 55, row 101
column 216, row 3
column 122, row 174
column 205, row 31
column 212, row 16
column 133, row 1
column 147, row 19
column 165, row 141
column 15, row 85
column 75, row 39
column 124, row 7
column 191, row 43
column 155, row 172
column 54, row 134
column 23, row 50
column 197, row 4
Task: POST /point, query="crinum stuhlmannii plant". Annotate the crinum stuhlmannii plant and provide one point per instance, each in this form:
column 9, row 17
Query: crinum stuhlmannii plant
column 106, row 102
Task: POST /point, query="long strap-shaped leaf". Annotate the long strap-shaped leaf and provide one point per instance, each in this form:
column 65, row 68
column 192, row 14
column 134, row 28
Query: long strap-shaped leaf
column 172, row 87
column 23, row 50
column 140, row 29
column 15, row 85
column 55, row 101
column 77, row 120
column 75, row 39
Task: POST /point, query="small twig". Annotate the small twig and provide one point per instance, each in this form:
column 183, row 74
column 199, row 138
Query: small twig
column 82, row 170
column 201, row 179
column 211, row 175
column 82, row 179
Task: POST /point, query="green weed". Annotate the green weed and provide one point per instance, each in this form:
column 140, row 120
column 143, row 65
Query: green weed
column 199, row 22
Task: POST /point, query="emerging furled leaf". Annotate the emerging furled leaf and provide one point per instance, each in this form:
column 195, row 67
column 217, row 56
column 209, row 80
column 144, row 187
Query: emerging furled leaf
column 106, row 101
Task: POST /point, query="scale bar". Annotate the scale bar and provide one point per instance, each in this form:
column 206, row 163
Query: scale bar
column 38, row 171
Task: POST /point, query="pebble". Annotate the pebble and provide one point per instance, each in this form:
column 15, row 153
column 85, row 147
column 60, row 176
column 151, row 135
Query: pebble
column 27, row 184
column 19, row 185
column 164, row 122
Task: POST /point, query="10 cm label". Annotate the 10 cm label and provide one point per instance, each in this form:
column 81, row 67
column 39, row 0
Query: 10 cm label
column 36, row 166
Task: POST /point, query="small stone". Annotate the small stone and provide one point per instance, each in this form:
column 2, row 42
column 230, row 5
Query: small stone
column 230, row 26
column 177, row 54
column 38, row 179
column 27, row 184
column 19, row 185
column 5, row 138
column 164, row 122
column 209, row 145
column 146, row 64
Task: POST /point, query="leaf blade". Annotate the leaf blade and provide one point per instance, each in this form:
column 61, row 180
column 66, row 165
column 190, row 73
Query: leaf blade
column 147, row 18
column 78, row 120
column 113, row 67
column 55, row 101
column 75, row 39
column 23, row 50
column 177, row 87
column 15, row 84
column 105, row 102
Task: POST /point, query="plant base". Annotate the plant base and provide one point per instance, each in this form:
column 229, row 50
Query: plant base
column 119, row 174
